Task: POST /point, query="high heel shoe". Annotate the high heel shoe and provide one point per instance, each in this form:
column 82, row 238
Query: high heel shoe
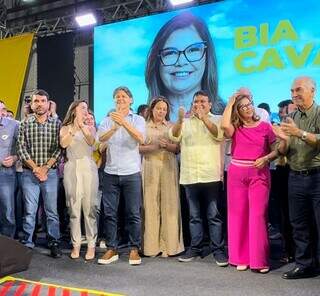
column 263, row 270
column 75, row 253
column 242, row 267
column 90, row 253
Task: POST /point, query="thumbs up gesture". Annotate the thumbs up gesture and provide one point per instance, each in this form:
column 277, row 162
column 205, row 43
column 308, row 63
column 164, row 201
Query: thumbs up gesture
column 181, row 114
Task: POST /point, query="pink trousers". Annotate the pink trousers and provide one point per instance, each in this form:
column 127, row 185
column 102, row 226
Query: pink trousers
column 248, row 195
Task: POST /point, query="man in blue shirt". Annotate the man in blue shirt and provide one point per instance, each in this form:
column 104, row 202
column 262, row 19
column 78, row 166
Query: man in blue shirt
column 123, row 131
column 8, row 137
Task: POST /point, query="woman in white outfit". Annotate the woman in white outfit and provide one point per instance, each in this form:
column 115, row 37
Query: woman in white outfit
column 80, row 177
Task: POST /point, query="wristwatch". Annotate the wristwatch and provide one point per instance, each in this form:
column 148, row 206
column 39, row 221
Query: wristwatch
column 304, row 136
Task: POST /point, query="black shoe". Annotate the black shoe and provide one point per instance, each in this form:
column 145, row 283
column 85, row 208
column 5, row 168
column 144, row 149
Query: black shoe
column 188, row 256
column 221, row 259
column 55, row 251
column 299, row 273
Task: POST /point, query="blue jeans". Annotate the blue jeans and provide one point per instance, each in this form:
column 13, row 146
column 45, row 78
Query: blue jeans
column 31, row 187
column 129, row 186
column 7, row 187
column 304, row 212
column 207, row 195
column 18, row 202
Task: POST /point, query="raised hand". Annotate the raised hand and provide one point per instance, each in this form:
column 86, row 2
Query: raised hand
column 53, row 108
column 117, row 117
column 290, row 128
column 200, row 113
column 279, row 132
column 79, row 120
column 181, row 114
column 232, row 99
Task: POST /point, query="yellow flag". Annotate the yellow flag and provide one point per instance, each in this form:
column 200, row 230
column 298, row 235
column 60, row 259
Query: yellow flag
column 14, row 56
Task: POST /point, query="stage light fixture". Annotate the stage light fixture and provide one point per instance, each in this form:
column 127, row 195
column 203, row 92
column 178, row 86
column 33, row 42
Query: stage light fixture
column 179, row 2
column 86, row 19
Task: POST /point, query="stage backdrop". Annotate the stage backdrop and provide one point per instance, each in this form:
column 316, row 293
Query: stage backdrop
column 14, row 57
column 262, row 45
column 56, row 69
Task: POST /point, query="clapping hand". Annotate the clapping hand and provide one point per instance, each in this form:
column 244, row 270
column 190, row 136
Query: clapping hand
column 163, row 142
column 290, row 128
column 199, row 112
column 79, row 120
column 279, row 133
column 117, row 117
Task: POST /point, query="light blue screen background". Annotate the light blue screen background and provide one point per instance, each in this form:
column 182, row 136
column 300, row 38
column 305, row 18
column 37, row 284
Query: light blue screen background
column 120, row 50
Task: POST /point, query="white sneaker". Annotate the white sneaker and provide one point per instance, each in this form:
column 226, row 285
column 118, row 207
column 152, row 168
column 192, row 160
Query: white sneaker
column 102, row 244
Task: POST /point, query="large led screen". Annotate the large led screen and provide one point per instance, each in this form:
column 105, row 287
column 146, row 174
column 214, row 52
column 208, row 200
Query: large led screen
column 218, row 47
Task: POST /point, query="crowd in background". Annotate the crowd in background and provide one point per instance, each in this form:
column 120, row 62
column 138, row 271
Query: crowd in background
column 140, row 160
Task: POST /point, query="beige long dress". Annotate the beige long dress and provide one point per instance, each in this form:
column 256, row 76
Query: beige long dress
column 162, row 215
column 81, row 187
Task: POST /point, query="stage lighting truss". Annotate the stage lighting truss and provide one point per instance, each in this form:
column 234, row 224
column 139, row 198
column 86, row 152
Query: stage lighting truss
column 115, row 11
column 179, row 2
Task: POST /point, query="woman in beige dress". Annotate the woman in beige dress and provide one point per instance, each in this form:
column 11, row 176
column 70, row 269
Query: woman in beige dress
column 162, row 216
column 80, row 177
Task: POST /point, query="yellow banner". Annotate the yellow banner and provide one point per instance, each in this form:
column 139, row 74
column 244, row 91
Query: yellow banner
column 14, row 56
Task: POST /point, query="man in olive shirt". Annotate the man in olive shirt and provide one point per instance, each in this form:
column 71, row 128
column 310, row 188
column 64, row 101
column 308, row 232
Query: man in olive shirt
column 302, row 129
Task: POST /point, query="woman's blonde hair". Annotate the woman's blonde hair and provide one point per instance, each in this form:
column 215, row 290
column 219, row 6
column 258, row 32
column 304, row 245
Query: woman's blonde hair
column 236, row 118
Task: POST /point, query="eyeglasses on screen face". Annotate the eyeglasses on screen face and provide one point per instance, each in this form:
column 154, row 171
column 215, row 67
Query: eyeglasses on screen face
column 193, row 53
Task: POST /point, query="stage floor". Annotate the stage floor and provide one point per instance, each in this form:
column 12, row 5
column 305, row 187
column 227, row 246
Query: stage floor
column 163, row 276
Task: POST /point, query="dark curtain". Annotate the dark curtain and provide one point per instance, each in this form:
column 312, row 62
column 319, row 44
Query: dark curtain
column 56, row 69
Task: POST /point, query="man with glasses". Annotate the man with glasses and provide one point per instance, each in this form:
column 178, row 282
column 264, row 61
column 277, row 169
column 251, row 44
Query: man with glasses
column 8, row 137
column 201, row 170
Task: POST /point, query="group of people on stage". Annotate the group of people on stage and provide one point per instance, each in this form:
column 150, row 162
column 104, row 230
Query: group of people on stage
column 141, row 167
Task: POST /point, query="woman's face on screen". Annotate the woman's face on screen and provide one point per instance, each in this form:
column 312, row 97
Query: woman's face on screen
column 183, row 61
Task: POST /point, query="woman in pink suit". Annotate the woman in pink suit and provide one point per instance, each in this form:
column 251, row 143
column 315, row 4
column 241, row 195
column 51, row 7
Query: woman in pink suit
column 248, row 183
